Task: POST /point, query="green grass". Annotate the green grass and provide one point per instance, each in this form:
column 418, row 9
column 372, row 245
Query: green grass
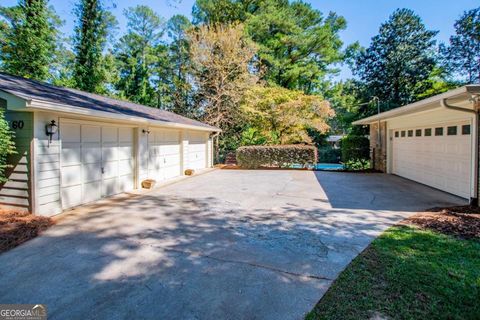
column 408, row 273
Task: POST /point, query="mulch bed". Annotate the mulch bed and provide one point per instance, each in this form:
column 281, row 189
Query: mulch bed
column 462, row 221
column 17, row 227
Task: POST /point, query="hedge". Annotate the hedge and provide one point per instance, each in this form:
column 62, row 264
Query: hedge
column 329, row 155
column 355, row 148
column 252, row 157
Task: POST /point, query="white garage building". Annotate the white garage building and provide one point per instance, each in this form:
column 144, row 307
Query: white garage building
column 433, row 141
column 100, row 146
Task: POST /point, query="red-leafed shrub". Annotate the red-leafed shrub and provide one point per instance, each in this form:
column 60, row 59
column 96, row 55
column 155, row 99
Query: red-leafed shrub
column 282, row 156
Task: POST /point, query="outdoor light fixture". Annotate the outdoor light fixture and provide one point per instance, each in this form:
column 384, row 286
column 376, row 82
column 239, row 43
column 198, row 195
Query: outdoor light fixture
column 146, row 131
column 50, row 130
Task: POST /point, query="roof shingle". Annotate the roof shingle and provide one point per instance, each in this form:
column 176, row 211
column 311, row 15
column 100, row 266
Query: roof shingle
column 35, row 90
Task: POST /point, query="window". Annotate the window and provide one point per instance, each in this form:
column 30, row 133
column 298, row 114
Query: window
column 396, row 134
column 403, row 133
column 439, row 131
column 428, row 132
column 452, row 131
column 418, row 133
column 410, row 133
column 466, row 129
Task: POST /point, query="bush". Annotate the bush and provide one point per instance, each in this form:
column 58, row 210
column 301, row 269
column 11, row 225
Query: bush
column 329, row 155
column 355, row 149
column 282, row 156
column 7, row 146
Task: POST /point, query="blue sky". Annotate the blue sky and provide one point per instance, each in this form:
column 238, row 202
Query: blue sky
column 363, row 16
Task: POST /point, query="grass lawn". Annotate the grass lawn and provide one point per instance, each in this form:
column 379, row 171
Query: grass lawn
column 408, row 273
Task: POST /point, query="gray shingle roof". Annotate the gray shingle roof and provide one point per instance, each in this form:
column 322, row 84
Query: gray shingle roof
column 35, row 90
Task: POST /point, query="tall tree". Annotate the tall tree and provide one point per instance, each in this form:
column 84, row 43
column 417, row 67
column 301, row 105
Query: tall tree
column 29, row 33
column 462, row 56
column 137, row 57
column 221, row 57
column 297, row 45
column 92, row 28
column 399, row 60
column 174, row 87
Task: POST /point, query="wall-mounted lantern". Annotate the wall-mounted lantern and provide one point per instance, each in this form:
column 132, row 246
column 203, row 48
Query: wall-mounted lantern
column 145, row 131
column 50, row 130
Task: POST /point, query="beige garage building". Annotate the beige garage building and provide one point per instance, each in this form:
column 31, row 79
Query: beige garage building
column 75, row 147
column 433, row 141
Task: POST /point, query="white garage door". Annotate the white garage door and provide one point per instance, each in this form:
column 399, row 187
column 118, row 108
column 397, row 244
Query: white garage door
column 96, row 161
column 197, row 150
column 163, row 154
column 438, row 156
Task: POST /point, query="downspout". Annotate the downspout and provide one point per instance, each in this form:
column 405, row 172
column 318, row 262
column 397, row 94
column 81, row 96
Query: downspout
column 474, row 99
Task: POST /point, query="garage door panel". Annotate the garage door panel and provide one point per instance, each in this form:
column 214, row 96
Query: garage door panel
column 92, row 191
column 71, row 154
column 71, row 175
column 109, row 152
column 125, row 135
column 164, row 154
column 125, row 152
column 125, row 167
column 91, row 153
column 110, row 187
column 96, row 161
column 70, row 132
column 109, row 134
column 442, row 162
column 91, row 172
column 90, row 134
column 71, row 196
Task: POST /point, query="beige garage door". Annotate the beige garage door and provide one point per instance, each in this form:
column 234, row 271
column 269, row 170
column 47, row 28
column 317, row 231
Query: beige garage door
column 163, row 154
column 96, row 161
column 438, row 156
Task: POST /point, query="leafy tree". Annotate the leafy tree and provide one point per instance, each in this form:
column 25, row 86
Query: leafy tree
column 297, row 44
column 28, row 38
column 137, row 57
column 399, row 60
column 93, row 25
column 462, row 56
column 221, row 56
column 288, row 114
column 174, row 87
column 7, row 146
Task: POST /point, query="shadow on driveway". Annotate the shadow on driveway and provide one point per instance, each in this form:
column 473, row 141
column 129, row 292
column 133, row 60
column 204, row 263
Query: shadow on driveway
column 224, row 245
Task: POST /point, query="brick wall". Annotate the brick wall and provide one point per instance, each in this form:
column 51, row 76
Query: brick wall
column 378, row 152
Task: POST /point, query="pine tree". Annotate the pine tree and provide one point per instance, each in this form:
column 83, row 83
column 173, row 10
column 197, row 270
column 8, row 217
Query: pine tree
column 28, row 39
column 92, row 28
column 462, row 56
column 399, row 61
column 136, row 56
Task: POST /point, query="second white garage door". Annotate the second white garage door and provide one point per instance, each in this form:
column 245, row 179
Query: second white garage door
column 96, row 161
column 197, row 150
column 438, row 156
column 163, row 154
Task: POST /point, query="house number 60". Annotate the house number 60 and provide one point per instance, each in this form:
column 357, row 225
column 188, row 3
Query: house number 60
column 17, row 124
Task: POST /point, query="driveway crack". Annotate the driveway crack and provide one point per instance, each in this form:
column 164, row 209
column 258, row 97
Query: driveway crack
column 252, row 264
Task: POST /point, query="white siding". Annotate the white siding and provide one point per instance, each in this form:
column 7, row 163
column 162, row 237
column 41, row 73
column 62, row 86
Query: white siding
column 46, row 166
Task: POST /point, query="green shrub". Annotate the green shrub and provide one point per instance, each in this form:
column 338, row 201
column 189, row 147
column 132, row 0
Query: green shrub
column 7, row 145
column 355, row 149
column 356, row 165
column 282, row 156
column 329, row 155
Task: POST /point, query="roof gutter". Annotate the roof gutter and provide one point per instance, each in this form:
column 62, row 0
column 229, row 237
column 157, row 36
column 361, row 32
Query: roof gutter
column 47, row 106
column 475, row 99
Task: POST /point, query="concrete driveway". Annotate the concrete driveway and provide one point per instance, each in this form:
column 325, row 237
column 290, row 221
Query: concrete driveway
column 224, row 245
